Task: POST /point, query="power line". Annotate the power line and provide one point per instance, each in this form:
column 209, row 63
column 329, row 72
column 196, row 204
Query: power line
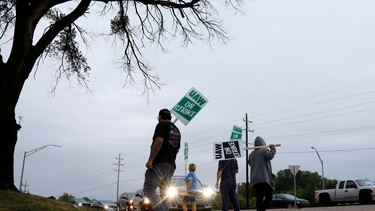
column 332, row 150
column 313, row 104
column 325, row 133
column 325, row 111
column 97, row 188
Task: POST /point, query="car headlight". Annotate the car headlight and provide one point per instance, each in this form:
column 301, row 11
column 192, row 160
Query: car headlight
column 172, row 192
column 146, row 200
column 208, row 192
column 106, row 207
column 80, row 204
column 131, row 201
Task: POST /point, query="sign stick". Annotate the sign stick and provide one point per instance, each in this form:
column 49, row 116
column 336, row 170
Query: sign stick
column 175, row 120
column 259, row 147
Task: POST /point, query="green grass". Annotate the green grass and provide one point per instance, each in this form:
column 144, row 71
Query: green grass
column 17, row 201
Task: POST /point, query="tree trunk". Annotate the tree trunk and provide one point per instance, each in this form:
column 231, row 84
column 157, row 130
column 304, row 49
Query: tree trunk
column 10, row 89
column 8, row 134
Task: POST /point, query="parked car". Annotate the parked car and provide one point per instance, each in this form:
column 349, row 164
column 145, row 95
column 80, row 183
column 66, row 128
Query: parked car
column 126, row 201
column 104, row 205
column 79, row 202
column 287, row 201
column 178, row 189
column 141, row 202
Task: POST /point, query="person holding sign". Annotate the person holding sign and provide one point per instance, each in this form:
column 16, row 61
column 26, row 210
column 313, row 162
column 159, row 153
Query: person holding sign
column 161, row 163
column 226, row 174
column 261, row 177
column 191, row 189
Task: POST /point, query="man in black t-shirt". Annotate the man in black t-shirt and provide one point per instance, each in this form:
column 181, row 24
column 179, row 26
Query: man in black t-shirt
column 226, row 174
column 161, row 162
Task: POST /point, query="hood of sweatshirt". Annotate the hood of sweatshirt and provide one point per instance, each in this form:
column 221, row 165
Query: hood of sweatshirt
column 259, row 141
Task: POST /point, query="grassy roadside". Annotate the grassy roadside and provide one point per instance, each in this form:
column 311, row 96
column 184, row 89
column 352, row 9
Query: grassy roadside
column 16, row 201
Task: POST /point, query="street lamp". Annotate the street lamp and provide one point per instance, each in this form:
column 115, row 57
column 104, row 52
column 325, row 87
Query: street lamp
column 27, row 153
column 321, row 161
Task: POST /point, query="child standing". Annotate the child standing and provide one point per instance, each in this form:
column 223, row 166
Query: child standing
column 191, row 189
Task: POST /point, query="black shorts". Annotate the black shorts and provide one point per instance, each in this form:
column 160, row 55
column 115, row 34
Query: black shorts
column 190, row 197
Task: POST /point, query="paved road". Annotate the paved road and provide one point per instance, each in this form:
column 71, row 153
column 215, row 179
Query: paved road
column 334, row 208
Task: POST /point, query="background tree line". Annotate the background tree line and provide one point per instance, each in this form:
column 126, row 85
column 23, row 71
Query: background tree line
column 306, row 183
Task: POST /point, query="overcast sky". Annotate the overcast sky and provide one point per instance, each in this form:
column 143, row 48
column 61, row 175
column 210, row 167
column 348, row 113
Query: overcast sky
column 303, row 71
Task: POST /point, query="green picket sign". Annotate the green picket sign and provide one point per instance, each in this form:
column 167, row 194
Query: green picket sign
column 188, row 107
column 236, row 133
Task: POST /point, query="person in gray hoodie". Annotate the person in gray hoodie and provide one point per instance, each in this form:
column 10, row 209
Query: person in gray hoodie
column 261, row 177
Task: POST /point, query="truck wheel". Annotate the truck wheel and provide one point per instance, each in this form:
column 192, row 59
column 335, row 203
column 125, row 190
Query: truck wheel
column 365, row 198
column 324, row 200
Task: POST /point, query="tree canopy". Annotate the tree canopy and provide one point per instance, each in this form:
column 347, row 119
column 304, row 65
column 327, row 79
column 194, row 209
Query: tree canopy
column 133, row 24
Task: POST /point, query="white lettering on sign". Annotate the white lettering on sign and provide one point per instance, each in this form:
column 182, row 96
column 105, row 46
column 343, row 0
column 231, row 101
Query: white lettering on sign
column 185, row 111
column 189, row 105
column 195, row 96
column 218, row 151
column 228, row 151
column 234, row 149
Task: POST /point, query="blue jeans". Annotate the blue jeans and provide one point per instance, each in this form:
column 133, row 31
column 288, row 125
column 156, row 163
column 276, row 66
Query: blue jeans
column 158, row 176
column 229, row 194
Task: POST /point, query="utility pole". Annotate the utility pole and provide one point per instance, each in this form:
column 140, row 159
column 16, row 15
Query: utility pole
column 118, row 164
column 247, row 161
column 24, row 187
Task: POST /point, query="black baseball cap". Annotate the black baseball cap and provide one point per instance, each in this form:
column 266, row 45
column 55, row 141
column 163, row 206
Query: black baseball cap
column 165, row 114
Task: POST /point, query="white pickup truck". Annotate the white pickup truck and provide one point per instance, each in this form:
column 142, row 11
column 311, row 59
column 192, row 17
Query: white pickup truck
column 347, row 191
